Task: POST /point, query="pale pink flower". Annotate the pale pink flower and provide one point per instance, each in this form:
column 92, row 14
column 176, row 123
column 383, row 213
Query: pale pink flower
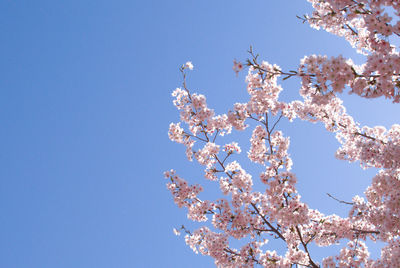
column 188, row 65
column 237, row 66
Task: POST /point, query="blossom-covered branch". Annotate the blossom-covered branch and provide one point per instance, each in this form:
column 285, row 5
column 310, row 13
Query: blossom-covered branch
column 277, row 211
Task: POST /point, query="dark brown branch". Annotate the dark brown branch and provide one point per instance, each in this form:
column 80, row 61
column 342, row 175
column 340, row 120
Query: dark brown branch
column 340, row 201
column 306, row 249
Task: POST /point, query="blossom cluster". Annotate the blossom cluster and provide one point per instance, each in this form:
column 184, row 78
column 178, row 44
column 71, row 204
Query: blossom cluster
column 367, row 25
column 250, row 216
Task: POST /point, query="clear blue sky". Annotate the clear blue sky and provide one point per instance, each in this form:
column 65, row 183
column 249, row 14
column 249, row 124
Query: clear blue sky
column 85, row 106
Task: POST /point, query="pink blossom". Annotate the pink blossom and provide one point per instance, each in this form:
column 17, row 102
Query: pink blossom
column 237, row 67
column 188, row 65
column 277, row 210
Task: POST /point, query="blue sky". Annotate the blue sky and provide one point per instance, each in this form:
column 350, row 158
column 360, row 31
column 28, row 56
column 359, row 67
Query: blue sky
column 85, row 107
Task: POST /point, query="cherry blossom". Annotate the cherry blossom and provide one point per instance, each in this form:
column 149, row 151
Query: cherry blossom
column 254, row 217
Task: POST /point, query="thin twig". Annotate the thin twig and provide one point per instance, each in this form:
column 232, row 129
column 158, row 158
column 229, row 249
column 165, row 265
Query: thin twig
column 340, row 201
